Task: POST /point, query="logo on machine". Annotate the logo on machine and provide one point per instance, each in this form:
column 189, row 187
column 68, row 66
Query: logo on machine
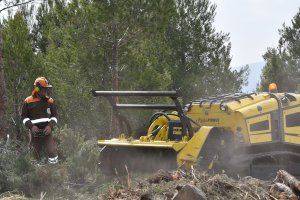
column 208, row 120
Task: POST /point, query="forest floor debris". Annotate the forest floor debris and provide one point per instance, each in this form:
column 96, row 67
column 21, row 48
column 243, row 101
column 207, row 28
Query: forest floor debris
column 165, row 185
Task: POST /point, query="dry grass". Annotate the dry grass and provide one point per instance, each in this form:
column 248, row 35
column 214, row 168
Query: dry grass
column 162, row 185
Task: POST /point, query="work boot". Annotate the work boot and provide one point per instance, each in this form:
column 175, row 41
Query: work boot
column 53, row 160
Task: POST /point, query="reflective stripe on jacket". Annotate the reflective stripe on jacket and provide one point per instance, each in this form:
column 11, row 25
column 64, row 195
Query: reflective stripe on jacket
column 39, row 112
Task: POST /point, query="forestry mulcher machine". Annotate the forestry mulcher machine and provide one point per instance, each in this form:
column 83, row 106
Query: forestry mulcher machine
column 247, row 134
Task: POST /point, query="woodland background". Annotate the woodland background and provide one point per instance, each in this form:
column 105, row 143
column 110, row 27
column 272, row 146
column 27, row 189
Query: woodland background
column 80, row 45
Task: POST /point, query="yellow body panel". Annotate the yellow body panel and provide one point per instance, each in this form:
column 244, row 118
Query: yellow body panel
column 261, row 138
column 292, row 139
column 294, row 129
column 239, row 115
column 266, row 106
column 292, row 134
column 263, row 135
column 258, row 119
column 189, row 154
column 137, row 143
column 211, row 117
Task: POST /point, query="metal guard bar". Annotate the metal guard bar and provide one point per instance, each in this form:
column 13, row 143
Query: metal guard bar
column 136, row 93
column 145, row 106
column 171, row 94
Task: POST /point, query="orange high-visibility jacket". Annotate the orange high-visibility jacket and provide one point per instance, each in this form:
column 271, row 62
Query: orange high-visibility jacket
column 39, row 112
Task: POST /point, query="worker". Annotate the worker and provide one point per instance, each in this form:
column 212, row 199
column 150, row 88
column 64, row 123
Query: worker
column 39, row 114
column 273, row 88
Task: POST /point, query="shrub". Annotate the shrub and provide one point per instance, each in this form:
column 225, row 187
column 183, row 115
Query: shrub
column 75, row 173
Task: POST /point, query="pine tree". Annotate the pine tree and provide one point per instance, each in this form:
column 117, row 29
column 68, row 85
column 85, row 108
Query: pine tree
column 200, row 56
column 18, row 65
column 283, row 63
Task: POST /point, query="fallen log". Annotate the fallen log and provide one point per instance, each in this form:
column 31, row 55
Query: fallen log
column 284, row 196
column 280, row 187
column 289, row 180
column 282, row 191
column 189, row 192
column 161, row 175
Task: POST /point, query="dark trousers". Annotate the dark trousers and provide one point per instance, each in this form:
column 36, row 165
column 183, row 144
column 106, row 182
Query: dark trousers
column 47, row 142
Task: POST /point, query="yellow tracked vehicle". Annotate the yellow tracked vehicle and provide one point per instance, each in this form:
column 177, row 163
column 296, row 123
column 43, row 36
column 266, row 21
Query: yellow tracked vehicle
column 247, row 134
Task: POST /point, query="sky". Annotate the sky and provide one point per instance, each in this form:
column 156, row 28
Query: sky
column 253, row 25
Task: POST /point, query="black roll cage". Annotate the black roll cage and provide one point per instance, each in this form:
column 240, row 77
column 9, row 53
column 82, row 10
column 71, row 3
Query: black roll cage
column 185, row 121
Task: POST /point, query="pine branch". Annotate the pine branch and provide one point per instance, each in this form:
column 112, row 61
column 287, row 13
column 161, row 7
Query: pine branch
column 16, row 4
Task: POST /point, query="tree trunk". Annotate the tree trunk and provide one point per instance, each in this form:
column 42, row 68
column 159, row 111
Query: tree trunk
column 115, row 78
column 3, row 93
column 17, row 120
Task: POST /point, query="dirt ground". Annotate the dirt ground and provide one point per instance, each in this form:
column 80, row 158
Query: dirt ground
column 164, row 185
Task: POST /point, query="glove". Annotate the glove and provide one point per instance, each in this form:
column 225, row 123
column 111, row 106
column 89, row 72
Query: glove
column 35, row 129
column 47, row 130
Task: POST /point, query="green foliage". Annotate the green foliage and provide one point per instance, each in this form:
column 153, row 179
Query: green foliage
column 274, row 71
column 78, row 166
column 150, row 45
column 14, row 165
column 200, row 56
column 19, row 67
column 283, row 64
column 81, row 156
